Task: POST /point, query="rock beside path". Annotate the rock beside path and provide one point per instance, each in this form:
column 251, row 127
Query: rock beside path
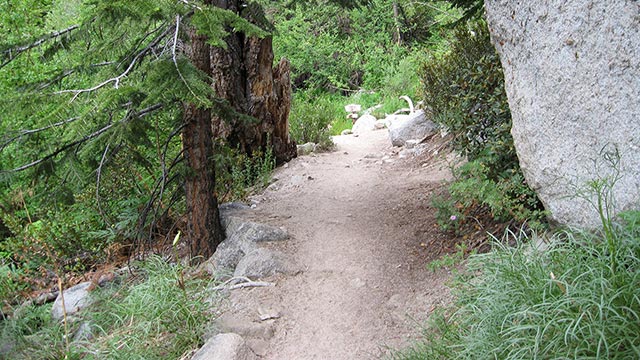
column 260, row 263
column 571, row 72
column 364, row 123
column 228, row 346
column 306, row 149
column 414, row 126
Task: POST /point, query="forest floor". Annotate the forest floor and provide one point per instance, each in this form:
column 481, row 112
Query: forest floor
column 363, row 230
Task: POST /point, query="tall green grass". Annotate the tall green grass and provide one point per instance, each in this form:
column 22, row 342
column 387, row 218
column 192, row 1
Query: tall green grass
column 579, row 298
column 157, row 314
column 160, row 318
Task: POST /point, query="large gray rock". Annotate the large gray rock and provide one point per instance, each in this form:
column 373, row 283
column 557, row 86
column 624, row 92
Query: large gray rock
column 572, row 73
column 231, row 216
column 231, row 224
column 364, row 124
column 256, row 232
column 230, row 251
column 414, row 126
column 76, row 298
column 225, row 347
column 260, row 263
column 242, row 239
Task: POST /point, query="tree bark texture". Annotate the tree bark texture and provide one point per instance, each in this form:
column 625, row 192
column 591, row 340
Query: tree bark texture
column 245, row 78
column 203, row 222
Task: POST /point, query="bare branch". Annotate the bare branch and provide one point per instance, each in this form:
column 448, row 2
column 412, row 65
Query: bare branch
column 93, row 135
column 13, row 53
column 239, row 282
column 98, row 178
column 116, row 80
column 175, row 59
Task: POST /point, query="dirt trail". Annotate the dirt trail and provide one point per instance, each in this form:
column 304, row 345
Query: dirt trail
column 362, row 231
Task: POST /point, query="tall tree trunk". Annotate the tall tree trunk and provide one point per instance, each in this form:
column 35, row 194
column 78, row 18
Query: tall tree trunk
column 397, row 35
column 204, row 229
column 245, row 77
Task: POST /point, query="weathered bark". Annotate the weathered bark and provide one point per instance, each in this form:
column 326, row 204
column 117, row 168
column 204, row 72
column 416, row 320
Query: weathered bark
column 246, row 79
column 204, row 231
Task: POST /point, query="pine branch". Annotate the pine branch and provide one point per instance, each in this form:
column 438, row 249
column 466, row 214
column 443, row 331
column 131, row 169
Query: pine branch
column 22, row 133
column 13, row 53
column 93, row 135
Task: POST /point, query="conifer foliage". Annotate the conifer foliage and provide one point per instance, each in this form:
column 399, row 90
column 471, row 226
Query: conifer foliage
column 105, row 95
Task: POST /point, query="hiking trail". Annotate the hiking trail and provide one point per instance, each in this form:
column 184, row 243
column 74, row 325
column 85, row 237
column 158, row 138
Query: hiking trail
column 363, row 230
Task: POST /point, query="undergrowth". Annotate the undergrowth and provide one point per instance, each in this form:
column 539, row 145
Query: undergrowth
column 464, row 88
column 238, row 174
column 574, row 298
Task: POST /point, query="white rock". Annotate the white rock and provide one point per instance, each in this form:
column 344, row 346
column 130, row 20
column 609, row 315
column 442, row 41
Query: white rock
column 381, row 124
column 228, row 346
column 364, row 123
column 410, row 127
column 572, row 73
column 353, row 108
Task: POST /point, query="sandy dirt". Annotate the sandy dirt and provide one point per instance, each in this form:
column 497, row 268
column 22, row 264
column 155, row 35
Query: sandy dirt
column 362, row 232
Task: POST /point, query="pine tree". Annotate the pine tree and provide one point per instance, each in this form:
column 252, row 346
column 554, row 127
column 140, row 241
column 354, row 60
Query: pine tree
column 93, row 82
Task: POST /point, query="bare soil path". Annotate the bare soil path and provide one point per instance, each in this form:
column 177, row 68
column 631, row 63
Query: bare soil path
column 362, row 231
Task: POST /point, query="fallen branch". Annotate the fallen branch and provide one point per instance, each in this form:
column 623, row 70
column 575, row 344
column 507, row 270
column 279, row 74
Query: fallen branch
column 408, row 100
column 231, row 285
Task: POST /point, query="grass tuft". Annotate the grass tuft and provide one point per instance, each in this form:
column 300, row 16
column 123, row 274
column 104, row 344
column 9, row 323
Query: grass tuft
column 567, row 301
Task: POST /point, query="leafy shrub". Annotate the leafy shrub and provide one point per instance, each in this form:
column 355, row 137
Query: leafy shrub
column 312, row 113
column 566, row 301
column 11, row 282
column 237, row 173
column 337, row 48
column 59, row 237
column 403, row 79
column 465, row 90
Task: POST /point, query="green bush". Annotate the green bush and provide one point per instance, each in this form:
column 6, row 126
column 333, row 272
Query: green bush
column 60, row 237
column 337, row 48
column 237, row 173
column 465, row 90
column 568, row 301
column 312, row 114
